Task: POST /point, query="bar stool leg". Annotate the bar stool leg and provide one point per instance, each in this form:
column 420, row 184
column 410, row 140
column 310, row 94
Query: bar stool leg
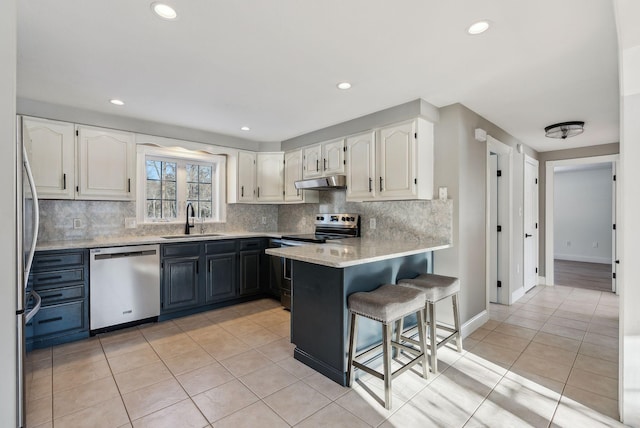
column 386, row 356
column 433, row 339
column 353, row 335
column 456, row 319
column 399, row 331
column 423, row 345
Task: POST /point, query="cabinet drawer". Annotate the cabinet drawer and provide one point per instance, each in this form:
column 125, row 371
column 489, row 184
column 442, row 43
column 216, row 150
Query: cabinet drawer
column 56, row 295
column 181, row 250
column 57, row 260
column 48, row 279
column 58, row 318
column 220, row 247
column 252, row 244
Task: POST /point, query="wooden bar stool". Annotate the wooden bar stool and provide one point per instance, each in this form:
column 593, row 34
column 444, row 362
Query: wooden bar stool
column 387, row 304
column 435, row 288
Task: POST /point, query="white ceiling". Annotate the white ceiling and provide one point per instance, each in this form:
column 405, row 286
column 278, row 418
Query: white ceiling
column 273, row 64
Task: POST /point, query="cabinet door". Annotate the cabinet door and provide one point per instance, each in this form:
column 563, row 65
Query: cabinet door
column 333, row 157
column 250, row 272
column 396, row 161
column 51, row 151
column 269, row 173
column 292, row 173
column 106, row 161
column 360, row 156
column 312, row 158
column 246, row 176
column 221, row 281
column 180, row 283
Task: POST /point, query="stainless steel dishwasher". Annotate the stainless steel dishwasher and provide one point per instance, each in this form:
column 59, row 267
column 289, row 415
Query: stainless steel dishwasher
column 124, row 285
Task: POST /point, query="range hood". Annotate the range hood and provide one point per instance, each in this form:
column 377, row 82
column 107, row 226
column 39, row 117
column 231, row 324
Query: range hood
column 323, row 183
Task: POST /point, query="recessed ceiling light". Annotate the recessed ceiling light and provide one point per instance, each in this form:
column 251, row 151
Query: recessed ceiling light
column 164, row 11
column 117, row 102
column 245, row 128
column 478, row 27
column 344, row 85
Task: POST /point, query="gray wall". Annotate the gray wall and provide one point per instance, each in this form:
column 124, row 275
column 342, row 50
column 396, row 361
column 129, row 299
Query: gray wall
column 86, row 117
column 543, row 158
column 8, row 260
column 582, row 214
column 460, row 165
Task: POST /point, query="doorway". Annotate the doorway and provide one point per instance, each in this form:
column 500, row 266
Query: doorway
column 499, row 220
column 580, row 238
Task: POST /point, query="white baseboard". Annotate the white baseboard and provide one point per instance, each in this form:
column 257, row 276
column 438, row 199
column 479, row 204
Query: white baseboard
column 516, row 295
column 542, row 280
column 579, row 258
column 474, row 323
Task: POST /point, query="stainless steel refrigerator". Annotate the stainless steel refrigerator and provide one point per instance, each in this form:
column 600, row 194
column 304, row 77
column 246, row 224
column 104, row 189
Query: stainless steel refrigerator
column 27, row 304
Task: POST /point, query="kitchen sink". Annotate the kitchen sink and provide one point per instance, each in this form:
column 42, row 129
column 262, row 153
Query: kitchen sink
column 195, row 235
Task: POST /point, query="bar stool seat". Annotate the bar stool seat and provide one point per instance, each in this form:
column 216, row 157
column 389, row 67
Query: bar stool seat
column 436, row 288
column 388, row 304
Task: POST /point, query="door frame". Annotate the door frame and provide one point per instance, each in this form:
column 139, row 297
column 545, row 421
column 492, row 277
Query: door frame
column 536, row 231
column 549, row 250
column 505, row 197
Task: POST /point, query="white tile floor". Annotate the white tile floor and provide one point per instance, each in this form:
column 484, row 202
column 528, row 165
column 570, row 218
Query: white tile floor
column 549, row 360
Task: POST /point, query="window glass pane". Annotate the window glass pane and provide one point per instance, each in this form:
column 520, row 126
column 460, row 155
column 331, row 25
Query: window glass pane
column 153, row 189
column 169, row 171
column 205, row 174
column 169, row 209
column 169, row 190
column 192, row 173
column 192, row 191
column 205, row 209
column 154, row 169
column 204, row 191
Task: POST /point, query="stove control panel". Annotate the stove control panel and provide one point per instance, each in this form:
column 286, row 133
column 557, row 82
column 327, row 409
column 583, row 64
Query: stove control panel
column 340, row 219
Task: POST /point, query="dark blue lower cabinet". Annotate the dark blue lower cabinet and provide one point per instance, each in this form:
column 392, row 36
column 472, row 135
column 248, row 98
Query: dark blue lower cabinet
column 60, row 277
column 180, row 283
column 221, row 278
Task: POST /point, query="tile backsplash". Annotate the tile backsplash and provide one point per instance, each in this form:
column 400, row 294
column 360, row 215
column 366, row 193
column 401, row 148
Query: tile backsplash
column 395, row 220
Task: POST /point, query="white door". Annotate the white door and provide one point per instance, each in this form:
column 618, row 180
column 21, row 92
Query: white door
column 246, row 176
column 396, row 161
column 292, row 173
column 312, row 157
column 360, row 156
column 269, row 173
column 106, row 164
column 530, row 268
column 494, row 260
column 51, row 151
column 333, row 157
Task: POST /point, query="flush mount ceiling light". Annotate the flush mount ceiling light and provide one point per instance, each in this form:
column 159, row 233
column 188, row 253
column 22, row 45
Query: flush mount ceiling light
column 564, row 130
column 344, row 85
column 245, row 128
column 478, row 28
column 164, row 11
column 116, row 102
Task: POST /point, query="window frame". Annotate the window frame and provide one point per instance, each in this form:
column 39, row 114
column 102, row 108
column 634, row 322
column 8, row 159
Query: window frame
column 181, row 157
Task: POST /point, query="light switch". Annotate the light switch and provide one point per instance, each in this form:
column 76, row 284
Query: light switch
column 442, row 193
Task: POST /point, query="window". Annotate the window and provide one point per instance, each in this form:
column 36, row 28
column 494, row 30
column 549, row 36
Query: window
column 173, row 178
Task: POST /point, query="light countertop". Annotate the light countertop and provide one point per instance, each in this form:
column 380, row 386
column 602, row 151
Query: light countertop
column 355, row 251
column 145, row 240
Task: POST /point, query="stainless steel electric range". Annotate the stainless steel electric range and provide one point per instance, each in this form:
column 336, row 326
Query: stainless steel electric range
column 327, row 227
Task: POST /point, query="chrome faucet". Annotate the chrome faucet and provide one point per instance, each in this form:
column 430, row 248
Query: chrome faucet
column 189, row 224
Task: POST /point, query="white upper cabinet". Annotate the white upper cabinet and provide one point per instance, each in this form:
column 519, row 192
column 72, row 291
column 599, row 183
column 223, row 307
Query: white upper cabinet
column 292, row 173
column 394, row 163
column 106, row 160
column 51, row 151
column 246, row 176
column 324, row 159
column 270, row 177
column 360, row 156
column 333, row 157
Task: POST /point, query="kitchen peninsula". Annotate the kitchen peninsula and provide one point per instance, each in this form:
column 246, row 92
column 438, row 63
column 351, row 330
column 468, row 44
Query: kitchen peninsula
column 324, row 275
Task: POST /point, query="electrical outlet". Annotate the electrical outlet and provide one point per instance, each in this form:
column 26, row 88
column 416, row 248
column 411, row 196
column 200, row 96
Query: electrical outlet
column 130, row 223
column 264, row 220
column 595, row 244
column 372, row 223
column 77, row 223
